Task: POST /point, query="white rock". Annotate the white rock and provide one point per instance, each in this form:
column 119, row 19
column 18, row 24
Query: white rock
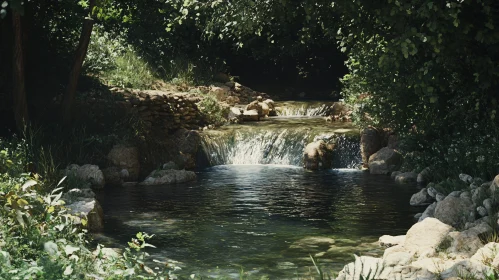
column 424, row 237
column 390, row 241
column 91, row 209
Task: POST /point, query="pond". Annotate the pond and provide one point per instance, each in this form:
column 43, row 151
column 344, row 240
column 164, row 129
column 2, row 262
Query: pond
column 264, row 219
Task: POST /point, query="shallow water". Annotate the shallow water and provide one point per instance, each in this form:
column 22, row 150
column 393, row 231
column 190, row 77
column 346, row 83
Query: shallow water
column 253, row 216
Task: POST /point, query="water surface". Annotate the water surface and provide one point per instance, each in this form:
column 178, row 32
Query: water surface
column 261, row 218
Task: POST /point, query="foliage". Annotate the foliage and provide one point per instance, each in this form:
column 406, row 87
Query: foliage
column 214, row 113
column 40, row 238
column 425, row 69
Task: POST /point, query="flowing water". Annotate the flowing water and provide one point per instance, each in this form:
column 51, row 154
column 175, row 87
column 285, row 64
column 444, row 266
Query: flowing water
column 280, row 140
column 256, row 209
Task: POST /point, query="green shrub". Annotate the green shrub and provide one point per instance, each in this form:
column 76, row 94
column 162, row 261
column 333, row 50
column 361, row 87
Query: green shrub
column 213, row 112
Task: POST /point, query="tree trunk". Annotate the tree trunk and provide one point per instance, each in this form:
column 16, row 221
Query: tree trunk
column 74, row 74
column 18, row 82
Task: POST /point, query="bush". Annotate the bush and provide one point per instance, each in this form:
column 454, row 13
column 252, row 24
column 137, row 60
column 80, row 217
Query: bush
column 39, row 238
column 213, row 112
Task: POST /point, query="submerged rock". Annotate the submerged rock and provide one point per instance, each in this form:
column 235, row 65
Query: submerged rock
column 406, row 177
column 170, row 176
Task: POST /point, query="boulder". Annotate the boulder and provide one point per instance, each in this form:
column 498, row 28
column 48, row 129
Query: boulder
column 265, row 109
column 188, row 143
column 385, row 161
column 255, row 105
column 251, row 115
column 370, row 143
column 489, row 204
column 431, row 190
column 232, row 100
column 271, row 104
column 362, row 268
column 466, row 243
column 429, row 212
column 420, row 198
column 390, row 241
column 466, row 178
column 235, row 113
column 393, row 142
column 221, row 93
column 394, row 174
column 482, row 211
column 424, row 176
column 170, row 165
column 170, row 176
column 494, row 186
column 478, row 195
column 439, row 197
column 126, row 157
column 113, row 176
column 406, row 177
column 454, row 211
column 91, row 209
column 426, row 236
column 318, row 155
column 88, row 173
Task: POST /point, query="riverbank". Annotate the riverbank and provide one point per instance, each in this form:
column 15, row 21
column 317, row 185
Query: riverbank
column 455, row 237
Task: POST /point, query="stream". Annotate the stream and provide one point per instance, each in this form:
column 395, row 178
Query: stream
column 254, row 209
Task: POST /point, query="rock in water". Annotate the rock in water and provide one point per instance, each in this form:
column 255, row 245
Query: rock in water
column 88, row 173
column 420, row 198
column 385, row 161
column 318, row 155
column 370, row 143
column 170, row 176
column 406, row 177
column 125, row 157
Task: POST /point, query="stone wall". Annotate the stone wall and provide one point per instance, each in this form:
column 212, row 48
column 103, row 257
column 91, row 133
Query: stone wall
column 163, row 110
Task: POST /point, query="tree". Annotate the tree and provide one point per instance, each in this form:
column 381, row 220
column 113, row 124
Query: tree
column 81, row 52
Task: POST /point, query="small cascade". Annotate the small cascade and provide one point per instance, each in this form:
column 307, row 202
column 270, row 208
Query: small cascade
column 271, row 143
column 284, row 147
column 347, row 153
column 308, row 109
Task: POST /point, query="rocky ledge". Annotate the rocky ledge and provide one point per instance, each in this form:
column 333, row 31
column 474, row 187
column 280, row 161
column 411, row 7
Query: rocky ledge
column 454, row 238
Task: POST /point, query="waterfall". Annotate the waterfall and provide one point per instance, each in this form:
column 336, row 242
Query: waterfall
column 309, row 109
column 283, row 147
column 271, row 145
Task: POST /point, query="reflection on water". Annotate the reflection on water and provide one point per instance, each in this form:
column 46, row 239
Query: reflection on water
column 266, row 219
